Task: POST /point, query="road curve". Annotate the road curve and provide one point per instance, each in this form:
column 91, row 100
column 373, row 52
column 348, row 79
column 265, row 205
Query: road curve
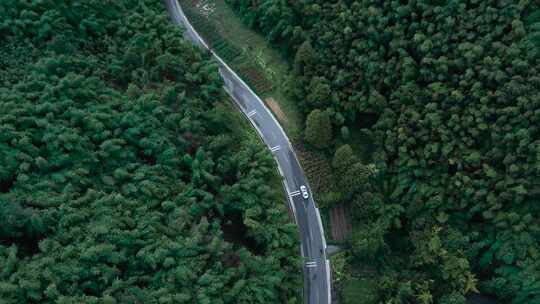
column 317, row 287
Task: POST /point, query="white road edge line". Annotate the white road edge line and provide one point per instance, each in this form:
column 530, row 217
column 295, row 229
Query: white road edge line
column 328, row 280
column 190, row 27
column 320, row 223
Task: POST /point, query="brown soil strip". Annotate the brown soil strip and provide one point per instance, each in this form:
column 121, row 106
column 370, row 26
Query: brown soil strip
column 274, row 106
column 340, row 222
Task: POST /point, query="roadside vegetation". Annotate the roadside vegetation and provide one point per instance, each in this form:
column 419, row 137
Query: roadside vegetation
column 125, row 174
column 269, row 73
column 247, row 52
column 435, row 144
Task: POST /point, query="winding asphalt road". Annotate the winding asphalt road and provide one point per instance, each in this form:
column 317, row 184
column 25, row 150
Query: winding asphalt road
column 313, row 245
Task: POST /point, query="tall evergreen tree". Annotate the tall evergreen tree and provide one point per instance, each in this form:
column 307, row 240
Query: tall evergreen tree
column 318, row 131
column 304, row 61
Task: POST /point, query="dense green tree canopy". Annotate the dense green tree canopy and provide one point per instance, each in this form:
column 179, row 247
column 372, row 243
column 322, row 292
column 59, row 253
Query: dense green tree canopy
column 452, row 89
column 318, row 129
column 119, row 179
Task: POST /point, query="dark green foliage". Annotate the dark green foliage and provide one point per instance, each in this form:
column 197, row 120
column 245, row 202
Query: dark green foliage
column 354, row 290
column 318, row 129
column 368, row 242
column 345, row 133
column 304, row 61
column 453, row 298
column 320, row 93
column 451, row 90
column 344, row 158
column 354, row 179
column 19, row 223
column 352, row 176
column 118, row 176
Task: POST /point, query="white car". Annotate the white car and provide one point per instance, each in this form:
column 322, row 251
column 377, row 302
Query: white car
column 305, row 193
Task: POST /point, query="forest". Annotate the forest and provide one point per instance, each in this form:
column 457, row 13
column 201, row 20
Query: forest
column 448, row 91
column 123, row 175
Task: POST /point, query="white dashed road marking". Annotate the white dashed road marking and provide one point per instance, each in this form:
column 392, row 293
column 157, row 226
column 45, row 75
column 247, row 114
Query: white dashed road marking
column 252, row 113
column 311, row 264
column 294, row 193
column 274, row 149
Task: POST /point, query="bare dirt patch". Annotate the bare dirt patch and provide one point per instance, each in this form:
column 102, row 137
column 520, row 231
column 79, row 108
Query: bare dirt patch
column 340, row 222
column 274, row 106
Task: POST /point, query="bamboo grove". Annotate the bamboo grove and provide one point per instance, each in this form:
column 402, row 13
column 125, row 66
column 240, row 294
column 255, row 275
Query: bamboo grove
column 124, row 177
column 449, row 92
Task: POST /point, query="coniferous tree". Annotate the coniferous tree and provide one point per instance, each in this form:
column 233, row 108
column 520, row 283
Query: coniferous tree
column 318, row 131
column 304, row 61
